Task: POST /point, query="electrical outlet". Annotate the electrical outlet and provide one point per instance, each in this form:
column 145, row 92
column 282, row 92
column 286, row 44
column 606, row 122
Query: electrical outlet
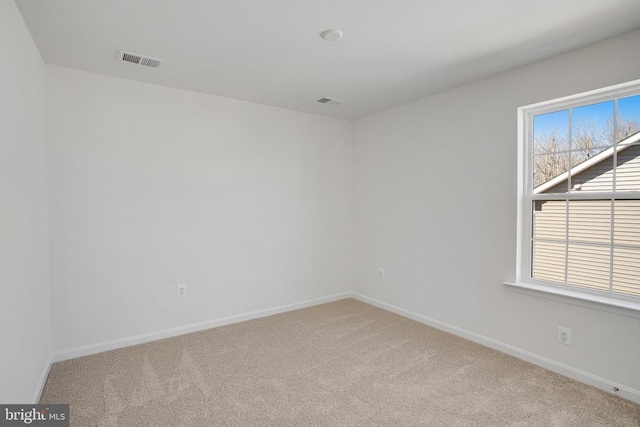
column 380, row 273
column 182, row 289
column 564, row 335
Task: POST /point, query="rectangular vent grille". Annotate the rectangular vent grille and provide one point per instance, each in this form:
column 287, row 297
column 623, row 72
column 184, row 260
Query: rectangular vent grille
column 329, row 101
column 131, row 58
column 151, row 62
column 134, row 58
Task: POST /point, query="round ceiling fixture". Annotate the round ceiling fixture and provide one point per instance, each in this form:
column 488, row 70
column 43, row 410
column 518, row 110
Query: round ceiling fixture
column 331, row 35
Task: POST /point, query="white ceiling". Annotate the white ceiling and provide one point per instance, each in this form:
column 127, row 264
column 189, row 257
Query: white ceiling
column 270, row 52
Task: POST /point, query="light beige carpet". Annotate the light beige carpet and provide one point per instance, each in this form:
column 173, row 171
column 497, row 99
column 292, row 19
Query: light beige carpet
column 340, row 364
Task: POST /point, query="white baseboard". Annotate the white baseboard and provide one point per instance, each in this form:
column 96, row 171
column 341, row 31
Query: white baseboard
column 562, row 369
column 194, row 327
column 43, row 380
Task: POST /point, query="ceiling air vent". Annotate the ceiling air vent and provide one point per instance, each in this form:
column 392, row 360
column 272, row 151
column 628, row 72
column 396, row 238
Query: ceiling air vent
column 134, row 58
column 329, row 101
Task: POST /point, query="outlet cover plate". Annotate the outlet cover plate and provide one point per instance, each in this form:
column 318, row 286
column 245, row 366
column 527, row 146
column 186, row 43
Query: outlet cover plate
column 564, row 335
column 182, row 289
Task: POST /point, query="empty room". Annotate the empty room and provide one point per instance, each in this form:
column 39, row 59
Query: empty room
column 319, row 213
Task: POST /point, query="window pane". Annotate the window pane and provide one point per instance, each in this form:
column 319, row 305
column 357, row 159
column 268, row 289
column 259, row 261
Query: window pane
column 626, row 259
column 547, row 167
column 550, row 147
column 590, row 222
column 628, row 168
column 550, row 219
column 628, row 117
column 589, row 243
column 551, row 132
column 548, row 261
column 591, row 142
column 549, row 223
column 626, row 271
column 592, row 173
column 589, row 266
column 627, row 223
column 592, row 127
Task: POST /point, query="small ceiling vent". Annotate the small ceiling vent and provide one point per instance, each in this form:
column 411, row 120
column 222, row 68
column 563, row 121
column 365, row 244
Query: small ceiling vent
column 134, row 58
column 329, row 101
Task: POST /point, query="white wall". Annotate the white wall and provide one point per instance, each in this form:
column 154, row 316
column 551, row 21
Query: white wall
column 151, row 186
column 25, row 318
column 435, row 205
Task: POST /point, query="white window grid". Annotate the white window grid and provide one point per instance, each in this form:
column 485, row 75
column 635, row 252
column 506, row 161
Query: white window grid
column 527, row 197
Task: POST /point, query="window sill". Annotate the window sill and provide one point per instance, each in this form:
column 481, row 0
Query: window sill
column 597, row 302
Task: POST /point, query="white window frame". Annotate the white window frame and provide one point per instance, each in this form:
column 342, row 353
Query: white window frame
column 607, row 301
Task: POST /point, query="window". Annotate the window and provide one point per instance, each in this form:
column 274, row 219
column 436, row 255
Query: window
column 579, row 194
